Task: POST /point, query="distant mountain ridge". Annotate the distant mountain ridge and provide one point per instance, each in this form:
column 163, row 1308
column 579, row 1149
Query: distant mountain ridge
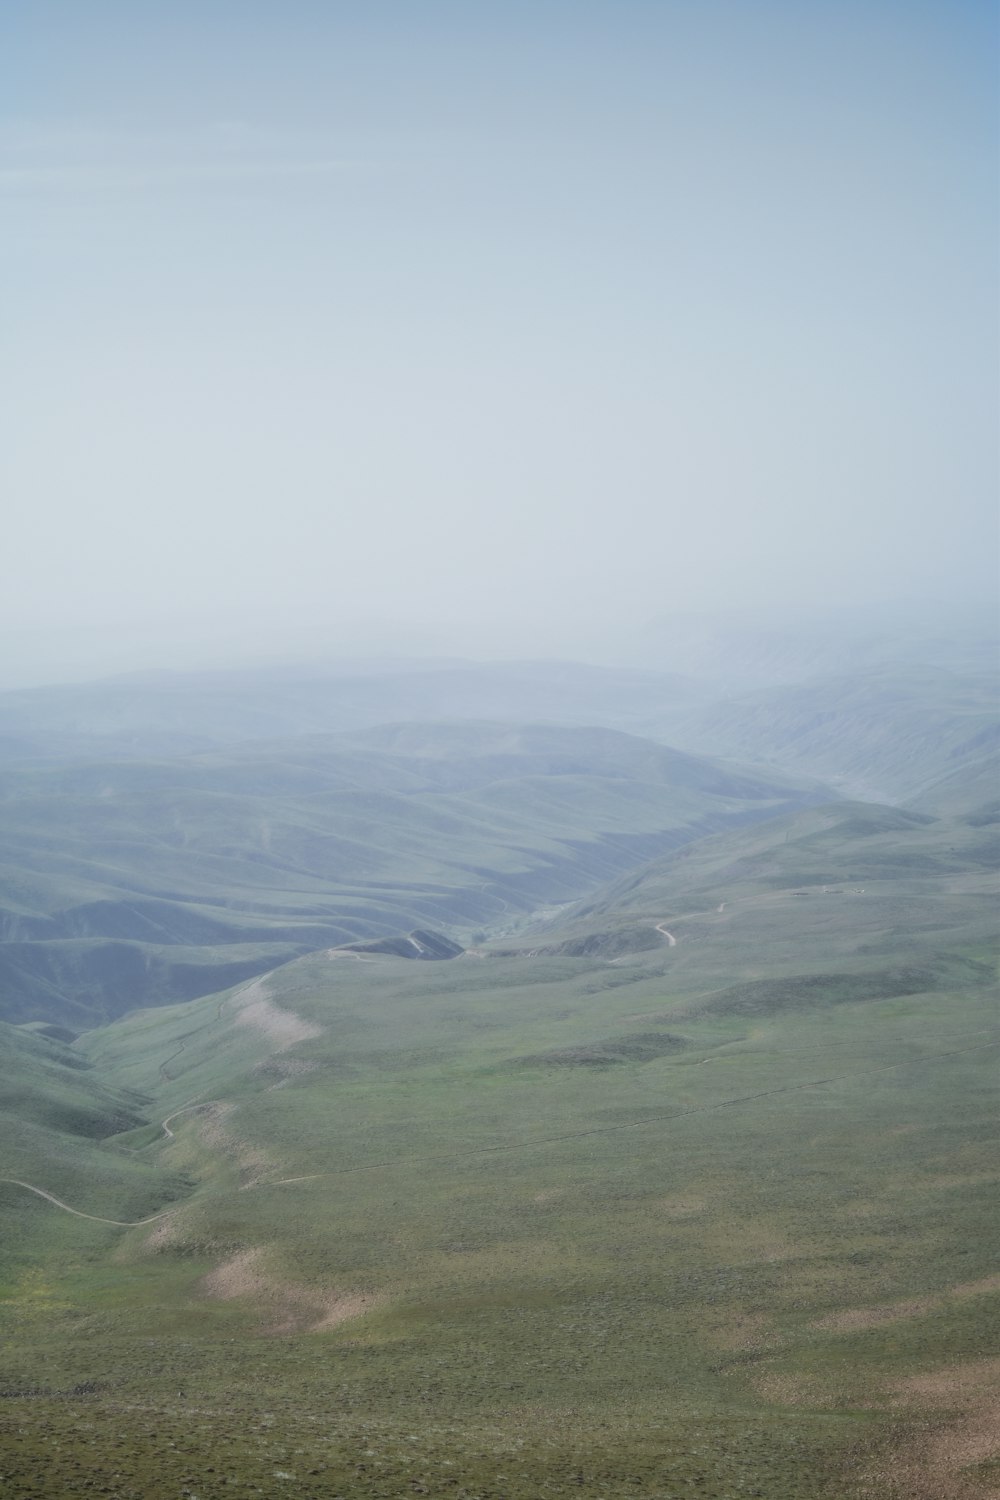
column 172, row 713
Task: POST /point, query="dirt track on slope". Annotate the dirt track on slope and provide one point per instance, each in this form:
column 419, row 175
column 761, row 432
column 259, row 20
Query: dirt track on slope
column 97, row 1218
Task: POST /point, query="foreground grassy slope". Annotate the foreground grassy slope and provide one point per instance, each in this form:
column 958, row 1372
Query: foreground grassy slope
column 141, row 882
column 713, row 1216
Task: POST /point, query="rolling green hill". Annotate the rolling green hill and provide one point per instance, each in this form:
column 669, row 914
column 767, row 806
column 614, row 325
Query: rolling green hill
column 135, row 882
column 688, row 1189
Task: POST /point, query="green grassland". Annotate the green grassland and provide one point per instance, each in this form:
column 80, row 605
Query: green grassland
column 581, row 1212
column 141, row 882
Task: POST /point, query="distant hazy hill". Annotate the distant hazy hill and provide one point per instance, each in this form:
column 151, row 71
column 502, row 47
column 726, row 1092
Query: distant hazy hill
column 168, row 713
column 133, row 882
column 884, row 735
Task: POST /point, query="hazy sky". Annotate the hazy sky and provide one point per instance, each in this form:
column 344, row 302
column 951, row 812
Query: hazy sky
column 491, row 316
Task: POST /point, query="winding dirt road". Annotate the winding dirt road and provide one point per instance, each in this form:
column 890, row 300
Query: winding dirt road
column 201, row 1104
column 97, row 1219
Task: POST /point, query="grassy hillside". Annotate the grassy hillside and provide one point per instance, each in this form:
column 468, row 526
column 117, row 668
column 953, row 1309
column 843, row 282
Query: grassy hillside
column 708, row 1207
column 133, row 882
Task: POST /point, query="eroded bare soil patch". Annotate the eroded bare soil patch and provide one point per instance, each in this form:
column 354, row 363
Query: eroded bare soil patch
column 944, row 1460
column 284, row 1306
column 854, row 1319
column 283, row 1027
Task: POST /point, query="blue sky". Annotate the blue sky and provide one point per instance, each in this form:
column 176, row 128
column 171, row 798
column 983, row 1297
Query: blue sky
column 494, row 321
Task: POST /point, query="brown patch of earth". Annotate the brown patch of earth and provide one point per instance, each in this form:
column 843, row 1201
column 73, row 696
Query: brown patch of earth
column 785, row 1389
column 950, row 1447
column 249, row 1162
column 344, row 1309
column 977, row 1288
column 163, row 1237
column 940, row 1461
column 683, row 1207
column 283, row 1027
column 744, row 1331
column 285, row 1306
column 855, row 1319
column 284, row 1069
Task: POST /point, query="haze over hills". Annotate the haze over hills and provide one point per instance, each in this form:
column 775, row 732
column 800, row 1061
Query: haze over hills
column 136, row 881
column 884, row 734
column 167, row 713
